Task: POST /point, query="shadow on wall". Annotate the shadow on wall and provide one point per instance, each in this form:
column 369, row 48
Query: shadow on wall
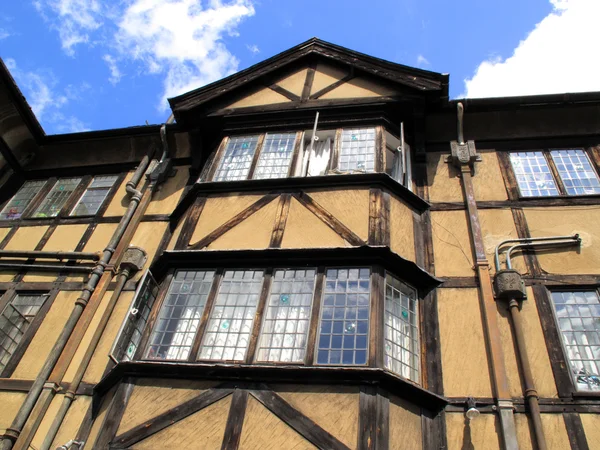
column 467, row 443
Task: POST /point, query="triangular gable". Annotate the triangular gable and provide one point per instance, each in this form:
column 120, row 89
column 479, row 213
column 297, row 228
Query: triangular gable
column 314, row 70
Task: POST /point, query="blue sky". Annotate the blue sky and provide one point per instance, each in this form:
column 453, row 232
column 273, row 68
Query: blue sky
column 94, row 64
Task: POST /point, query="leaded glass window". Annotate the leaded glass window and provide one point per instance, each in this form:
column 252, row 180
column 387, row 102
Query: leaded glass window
column 57, row 197
column 14, row 322
column 401, row 332
column 357, row 150
column 93, row 197
column 533, row 174
column 230, row 324
column 578, row 317
column 180, row 315
column 287, row 318
column 275, row 156
column 17, row 205
column 576, row 172
column 237, row 158
column 344, row 322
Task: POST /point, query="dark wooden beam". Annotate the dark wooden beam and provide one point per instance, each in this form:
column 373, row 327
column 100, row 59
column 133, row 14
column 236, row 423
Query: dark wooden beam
column 331, row 87
column 289, row 95
column 190, row 223
column 367, row 418
column 575, row 431
column 235, row 420
column 283, row 209
column 308, row 82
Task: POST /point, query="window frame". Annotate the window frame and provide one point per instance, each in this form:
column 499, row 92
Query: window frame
column 558, row 181
column 375, row 352
column 87, row 183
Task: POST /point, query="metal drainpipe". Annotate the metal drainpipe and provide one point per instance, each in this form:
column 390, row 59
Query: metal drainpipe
column 12, row 433
column 133, row 261
column 514, row 306
column 50, row 255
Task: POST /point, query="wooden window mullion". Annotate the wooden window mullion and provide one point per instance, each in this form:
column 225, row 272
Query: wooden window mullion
column 210, row 301
column 379, row 149
column 335, row 151
column 375, row 336
column 557, row 179
column 218, row 156
column 257, row 152
column 111, row 195
column 313, row 332
column 295, row 155
column 75, row 196
column 258, row 316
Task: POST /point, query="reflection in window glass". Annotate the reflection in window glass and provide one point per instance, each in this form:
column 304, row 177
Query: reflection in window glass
column 237, row 159
column 576, row 172
column 401, row 335
column 180, row 315
column 14, row 322
column 357, row 150
column 533, row 174
column 344, row 324
column 94, row 196
column 578, row 316
column 275, row 156
column 230, row 324
column 57, row 197
column 15, row 207
column 285, row 326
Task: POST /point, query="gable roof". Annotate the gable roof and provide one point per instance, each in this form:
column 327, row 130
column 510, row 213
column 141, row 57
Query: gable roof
column 416, row 79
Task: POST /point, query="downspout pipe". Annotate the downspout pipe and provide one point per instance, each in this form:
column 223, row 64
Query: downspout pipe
column 12, row 433
column 50, row 255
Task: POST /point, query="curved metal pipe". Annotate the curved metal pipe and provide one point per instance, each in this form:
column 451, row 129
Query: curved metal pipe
column 508, row 241
column 575, row 239
column 163, row 138
column 460, row 112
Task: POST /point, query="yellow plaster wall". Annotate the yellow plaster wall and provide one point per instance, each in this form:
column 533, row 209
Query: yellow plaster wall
column 46, row 336
column 349, row 206
column 175, row 235
column 444, row 184
column 168, row 194
column 326, row 75
column 333, row 408
column 264, row 96
column 305, row 230
column 120, row 201
column 567, row 221
column 359, row 88
column 148, row 236
column 591, row 426
column 451, row 244
column 488, row 183
column 554, row 429
column 402, row 240
column 100, row 237
column 464, row 357
column 405, row 425
column 99, row 420
column 479, row 434
column 295, row 82
column 498, row 225
column 25, row 238
column 4, row 232
column 11, row 402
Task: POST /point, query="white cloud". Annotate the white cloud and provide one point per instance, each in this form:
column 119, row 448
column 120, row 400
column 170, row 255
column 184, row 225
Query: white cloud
column 559, row 55
column 46, row 99
column 253, row 49
column 115, row 73
column 422, row 61
column 4, row 34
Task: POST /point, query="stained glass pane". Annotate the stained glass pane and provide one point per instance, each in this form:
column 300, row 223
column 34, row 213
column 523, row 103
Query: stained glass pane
column 285, row 326
column 232, row 317
column 533, row 174
column 344, row 324
column 15, row 207
column 578, row 317
column 57, row 197
column 237, row 159
column 576, row 172
column 14, row 322
column 180, row 315
column 93, row 197
column 275, row 156
column 401, row 332
column 357, row 150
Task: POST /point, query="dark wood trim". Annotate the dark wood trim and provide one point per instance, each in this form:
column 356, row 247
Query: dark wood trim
column 313, row 330
column 508, row 175
column 208, row 307
column 15, row 358
column 331, row 87
column 283, row 209
column 164, row 242
column 557, row 179
column 235, row 420
column 187, row 230
column 114, row 414
column 298, row 421
column 564, row 384
column 383, row 420
column 379, row 218
column 39, row 246
column 282, row 91
column 594, row 155
column 531, row 261
column 367, row 418
column 257, row 151
column 379, row 149
column 431, row 349
column 234, row 221
column 308, row 82
column 84, row 182
column 328, row 219
column 217, row 159
column 575, row 431
column 460, row 282
column 87, row 234
column 334, row 158
column 111, row 194
column 170, row 417
column 375, row 358
column 258, row 316
column 385, row 219
column 8, row 237
column 295, row 153
column 77, row 220
column 433, row 429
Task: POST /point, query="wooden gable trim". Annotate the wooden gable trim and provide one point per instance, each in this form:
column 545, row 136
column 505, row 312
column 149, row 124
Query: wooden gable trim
column 308, row 83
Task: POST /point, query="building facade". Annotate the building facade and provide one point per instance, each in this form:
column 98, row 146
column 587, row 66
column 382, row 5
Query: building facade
column 320, row 251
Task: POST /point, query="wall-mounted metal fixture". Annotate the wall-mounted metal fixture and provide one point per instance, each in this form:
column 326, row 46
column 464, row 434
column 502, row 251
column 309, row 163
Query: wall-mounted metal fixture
column 462, row 153
column 472, row 411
